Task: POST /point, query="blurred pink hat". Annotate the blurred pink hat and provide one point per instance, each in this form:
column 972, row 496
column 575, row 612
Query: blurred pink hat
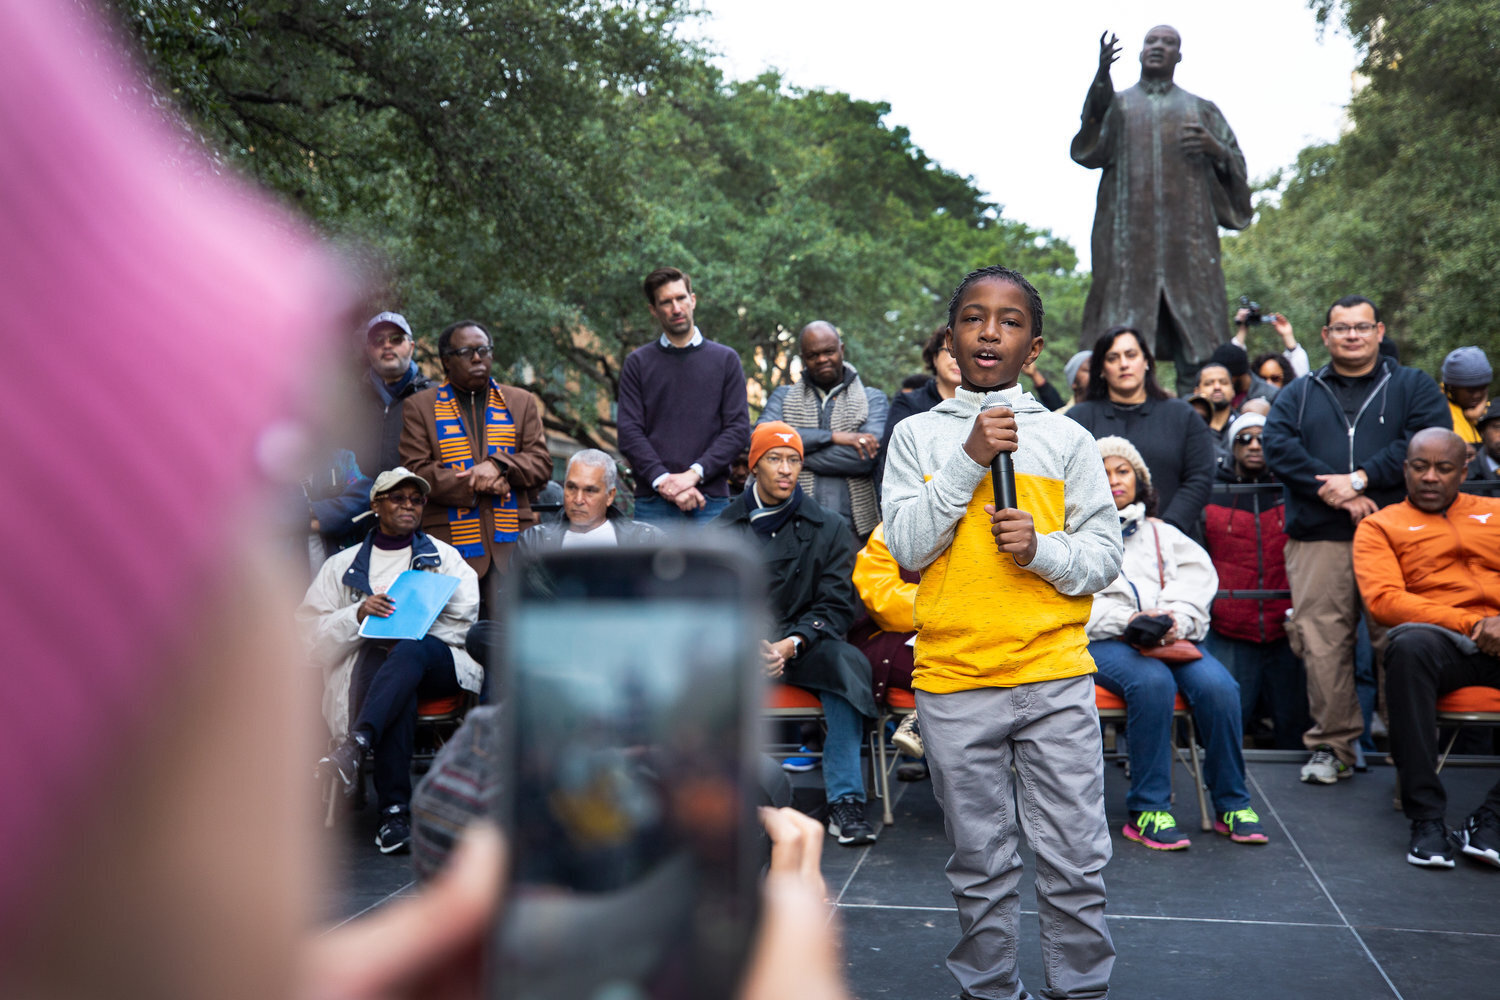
column 159, row 323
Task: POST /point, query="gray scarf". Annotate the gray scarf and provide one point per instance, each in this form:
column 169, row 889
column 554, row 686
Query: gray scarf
column 802, row 408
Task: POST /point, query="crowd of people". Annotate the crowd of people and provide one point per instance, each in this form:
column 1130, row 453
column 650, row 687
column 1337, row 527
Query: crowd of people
column 1203, row 548
column 1250, row 494
column 186, row 870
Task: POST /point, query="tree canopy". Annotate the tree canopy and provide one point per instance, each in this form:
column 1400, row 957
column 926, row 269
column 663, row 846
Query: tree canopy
column 1400, row 208
column 527, row 163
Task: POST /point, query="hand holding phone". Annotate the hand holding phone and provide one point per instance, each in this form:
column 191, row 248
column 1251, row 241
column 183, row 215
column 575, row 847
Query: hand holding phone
column 630, row 749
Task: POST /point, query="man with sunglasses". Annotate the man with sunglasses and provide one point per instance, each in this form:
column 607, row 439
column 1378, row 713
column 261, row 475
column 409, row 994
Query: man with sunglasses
column 481, row 446
column 1337, row 441
column 390, row 377
column 371, row 686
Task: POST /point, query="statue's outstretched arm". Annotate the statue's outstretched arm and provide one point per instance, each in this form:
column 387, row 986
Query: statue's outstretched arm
column 1096, row 104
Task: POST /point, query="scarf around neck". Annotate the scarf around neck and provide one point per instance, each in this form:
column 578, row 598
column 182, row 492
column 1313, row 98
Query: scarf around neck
column 804, row 406
column 1131, row 517
column 456, row 451
column 765, row 520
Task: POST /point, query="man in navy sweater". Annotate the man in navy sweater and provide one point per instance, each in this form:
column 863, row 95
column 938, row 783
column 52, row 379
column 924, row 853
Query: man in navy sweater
column 683, row 414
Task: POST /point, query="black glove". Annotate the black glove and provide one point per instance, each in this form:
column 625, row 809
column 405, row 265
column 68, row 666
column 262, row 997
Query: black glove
column 1147, row 630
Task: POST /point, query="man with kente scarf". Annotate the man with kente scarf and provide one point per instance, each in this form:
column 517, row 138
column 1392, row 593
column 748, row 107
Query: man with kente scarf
column 809, row 556
column 480, row 444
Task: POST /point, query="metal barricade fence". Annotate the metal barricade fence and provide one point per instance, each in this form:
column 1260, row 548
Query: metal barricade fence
column 1480, row 487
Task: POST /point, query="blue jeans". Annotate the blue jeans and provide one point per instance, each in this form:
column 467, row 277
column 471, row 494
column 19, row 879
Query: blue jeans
column 655, row 510
column 1365, row 686
column 1273, row 670
column 1149, row 687
column 846, row 732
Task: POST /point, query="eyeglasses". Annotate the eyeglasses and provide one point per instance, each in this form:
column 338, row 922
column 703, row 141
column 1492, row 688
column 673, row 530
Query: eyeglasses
column 1245, row 437
column 1363, row 329
column 794, row 461
column 470, row 352
column 404, row 499
column 394, row 338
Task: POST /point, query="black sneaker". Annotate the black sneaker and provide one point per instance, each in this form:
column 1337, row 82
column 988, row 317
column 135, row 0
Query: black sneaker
column 1432, row 844
column 1480, row 836
column 914, row 771
column 846, row 821
column 343, row 762
column 395, row 833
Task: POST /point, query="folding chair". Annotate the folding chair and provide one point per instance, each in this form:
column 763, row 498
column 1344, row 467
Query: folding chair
column 1112, row 712
column 1476, row 704
column 787, row 703
column 899, row 703
column 437, row 720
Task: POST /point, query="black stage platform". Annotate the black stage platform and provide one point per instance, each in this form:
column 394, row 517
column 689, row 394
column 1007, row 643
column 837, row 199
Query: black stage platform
column 1328, row 910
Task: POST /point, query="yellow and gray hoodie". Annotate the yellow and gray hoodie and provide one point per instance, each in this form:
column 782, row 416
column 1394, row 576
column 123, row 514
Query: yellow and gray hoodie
column 982, row 620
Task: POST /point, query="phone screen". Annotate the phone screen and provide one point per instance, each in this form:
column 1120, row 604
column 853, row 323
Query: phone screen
column 631, row 806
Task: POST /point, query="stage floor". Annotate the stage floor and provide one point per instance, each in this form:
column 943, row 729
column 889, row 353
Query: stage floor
column 1328, row 910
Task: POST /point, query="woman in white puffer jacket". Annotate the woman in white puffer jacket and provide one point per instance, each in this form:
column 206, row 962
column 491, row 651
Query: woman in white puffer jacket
column 1165, row 573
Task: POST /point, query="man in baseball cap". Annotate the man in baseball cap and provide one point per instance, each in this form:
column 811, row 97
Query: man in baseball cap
column 389, row 378
column 371, row 685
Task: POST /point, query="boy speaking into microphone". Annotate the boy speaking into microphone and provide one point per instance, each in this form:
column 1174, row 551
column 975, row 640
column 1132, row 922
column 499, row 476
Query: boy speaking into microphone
column 1002, row 663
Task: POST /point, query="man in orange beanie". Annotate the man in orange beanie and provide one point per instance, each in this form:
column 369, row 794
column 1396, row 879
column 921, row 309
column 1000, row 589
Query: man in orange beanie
column 809, row 553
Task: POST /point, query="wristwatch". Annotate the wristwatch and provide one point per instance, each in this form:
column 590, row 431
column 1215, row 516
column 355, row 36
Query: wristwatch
column 797, row 645
column 1357, row 482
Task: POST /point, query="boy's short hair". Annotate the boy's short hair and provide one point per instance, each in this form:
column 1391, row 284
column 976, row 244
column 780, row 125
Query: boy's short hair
column 1033, row 298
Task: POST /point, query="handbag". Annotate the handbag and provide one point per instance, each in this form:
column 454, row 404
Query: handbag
column 1178, row 650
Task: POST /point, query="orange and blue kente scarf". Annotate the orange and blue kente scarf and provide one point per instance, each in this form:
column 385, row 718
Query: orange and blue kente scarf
column 454, row 452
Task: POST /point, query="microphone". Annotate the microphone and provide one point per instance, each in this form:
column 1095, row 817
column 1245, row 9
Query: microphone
column 1002, row 467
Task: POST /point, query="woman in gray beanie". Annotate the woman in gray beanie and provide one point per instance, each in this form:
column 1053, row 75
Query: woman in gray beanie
column 1076, row 364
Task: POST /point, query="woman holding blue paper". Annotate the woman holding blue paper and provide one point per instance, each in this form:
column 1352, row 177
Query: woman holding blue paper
column 376, row 623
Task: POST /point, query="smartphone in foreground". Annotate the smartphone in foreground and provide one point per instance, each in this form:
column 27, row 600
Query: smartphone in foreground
column 632, row 699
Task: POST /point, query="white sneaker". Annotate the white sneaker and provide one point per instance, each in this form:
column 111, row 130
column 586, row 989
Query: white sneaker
column 908, row 738
column 1324, row 768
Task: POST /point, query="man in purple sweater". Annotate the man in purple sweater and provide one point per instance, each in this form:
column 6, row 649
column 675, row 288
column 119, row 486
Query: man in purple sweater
column 683, row 413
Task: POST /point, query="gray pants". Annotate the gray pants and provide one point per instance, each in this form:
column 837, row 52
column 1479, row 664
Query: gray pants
column 1049, row 732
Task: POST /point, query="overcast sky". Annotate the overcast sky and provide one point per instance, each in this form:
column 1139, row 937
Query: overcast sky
column 993, row 88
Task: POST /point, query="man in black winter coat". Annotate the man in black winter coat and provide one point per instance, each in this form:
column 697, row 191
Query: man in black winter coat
column 391, row 377
column 1336, row 438
column 809, row 557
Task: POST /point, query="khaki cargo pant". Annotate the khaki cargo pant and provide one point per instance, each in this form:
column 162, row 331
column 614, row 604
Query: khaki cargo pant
column 1325, row 619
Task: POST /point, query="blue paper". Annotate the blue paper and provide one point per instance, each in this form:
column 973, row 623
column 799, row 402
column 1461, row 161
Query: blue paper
column 419, row 597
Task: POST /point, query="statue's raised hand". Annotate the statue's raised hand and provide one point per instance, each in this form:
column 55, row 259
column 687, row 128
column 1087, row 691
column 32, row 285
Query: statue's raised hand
column 1109, row 51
